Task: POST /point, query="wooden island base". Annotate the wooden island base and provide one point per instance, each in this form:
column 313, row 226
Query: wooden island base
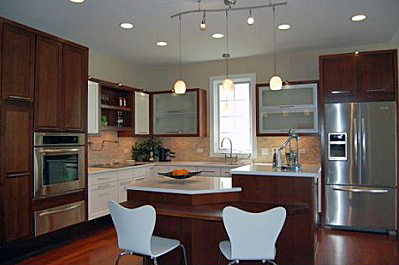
column 199, row 225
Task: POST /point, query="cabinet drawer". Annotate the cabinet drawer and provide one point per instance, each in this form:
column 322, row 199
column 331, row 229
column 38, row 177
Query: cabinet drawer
column 156, row 169
column 102, row 178
column 98, row 199
column 125, row 174
column 59, row 217
column 191, row 169
column 225, row 172
column 140, row 172
column 122, row 192
column 209, row 171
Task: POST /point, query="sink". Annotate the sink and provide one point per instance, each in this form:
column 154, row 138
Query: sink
column 116, row 165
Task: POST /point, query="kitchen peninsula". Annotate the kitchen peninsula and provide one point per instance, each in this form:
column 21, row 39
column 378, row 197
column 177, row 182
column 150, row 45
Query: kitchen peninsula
column 191, row 211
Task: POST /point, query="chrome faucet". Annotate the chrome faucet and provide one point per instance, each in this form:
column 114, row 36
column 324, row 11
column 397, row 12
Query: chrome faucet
column 291, row 157
column 231, row 150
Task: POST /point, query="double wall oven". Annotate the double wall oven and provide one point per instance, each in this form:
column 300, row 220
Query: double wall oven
column 59, row 168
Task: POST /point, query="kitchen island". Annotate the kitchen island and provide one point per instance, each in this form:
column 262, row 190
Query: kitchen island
column 192, row 213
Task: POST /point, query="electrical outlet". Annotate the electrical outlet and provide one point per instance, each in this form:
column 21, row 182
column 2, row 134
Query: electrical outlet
column 265, row 151
column 200, row 150
column 302, row 151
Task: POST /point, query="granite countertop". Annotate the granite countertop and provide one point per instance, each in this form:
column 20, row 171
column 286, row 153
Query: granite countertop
column 190, row 186
column 312, row 171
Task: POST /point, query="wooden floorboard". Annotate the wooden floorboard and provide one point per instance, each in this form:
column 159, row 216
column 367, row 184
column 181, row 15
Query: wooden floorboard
column 335, row 248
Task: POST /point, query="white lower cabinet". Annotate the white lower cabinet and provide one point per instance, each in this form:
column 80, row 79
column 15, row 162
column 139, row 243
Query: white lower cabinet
column 99, row 195
column 209, row 171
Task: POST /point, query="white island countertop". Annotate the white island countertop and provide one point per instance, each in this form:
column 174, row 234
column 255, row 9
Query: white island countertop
column 191, row 186
column 312, row 171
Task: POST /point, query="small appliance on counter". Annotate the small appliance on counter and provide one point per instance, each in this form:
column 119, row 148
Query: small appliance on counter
column 165, row 154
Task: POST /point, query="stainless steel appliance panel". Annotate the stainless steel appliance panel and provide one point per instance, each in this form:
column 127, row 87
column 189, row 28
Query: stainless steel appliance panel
column 342, row 118
column 59, row 217
column 368, row 208
column 378, row 143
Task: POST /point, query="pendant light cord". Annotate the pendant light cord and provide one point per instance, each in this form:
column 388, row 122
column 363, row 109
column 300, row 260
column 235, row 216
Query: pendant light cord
column 179, row 47
column 274, row 39
column 227, row 44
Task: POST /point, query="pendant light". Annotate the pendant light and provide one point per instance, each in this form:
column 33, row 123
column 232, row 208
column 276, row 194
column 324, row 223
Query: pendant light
column 227, row 82
column 275, row 82
column 180, row 85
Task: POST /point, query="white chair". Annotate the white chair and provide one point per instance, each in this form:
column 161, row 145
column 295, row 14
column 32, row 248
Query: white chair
column 134, row 228
column 252, row 235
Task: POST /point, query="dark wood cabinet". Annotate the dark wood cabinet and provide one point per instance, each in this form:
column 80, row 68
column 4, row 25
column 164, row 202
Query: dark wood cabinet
column 368, row 76
column 17, row 64
column 75, row 79
column 61, row 86
column 48, row 84
column 16, row 170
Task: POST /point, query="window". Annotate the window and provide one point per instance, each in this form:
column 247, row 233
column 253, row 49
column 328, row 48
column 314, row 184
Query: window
column 232, row 115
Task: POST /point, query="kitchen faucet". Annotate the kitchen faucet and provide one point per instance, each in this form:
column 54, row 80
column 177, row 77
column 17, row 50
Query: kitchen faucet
column 231, row 150
column 291, row 157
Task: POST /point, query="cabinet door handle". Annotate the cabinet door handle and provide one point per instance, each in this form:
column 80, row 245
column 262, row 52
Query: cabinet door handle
column 340, row 92
column 376, row 90
column 287, row 107
column 209, row 171
column 103, row 187
column 20, row 98
column 139, row 179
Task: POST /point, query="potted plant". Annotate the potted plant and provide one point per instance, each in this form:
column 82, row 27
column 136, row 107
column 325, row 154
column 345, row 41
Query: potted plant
column 141, row 150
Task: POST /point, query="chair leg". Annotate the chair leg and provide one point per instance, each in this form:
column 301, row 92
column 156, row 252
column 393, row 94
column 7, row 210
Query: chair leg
column 184, row 253
column 155, row 261
column 272, row 262
column 121, row 255
column 232, row 262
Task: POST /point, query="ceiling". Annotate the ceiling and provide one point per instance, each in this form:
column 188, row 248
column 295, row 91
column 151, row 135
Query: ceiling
column 316, row 24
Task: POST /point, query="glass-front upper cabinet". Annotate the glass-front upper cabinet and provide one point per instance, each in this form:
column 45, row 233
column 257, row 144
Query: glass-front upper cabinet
column 293, row 107
column 179, row 114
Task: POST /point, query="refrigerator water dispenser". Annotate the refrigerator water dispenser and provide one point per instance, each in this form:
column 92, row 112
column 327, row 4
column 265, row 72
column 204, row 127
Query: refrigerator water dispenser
column 337, row 146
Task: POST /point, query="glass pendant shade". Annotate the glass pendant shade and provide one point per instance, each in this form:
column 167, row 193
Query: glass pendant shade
column 228, row 84
column 180, row 87
column 276, row 83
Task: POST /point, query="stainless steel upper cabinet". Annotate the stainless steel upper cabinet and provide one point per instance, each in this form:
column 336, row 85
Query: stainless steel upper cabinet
column 342, row 118
column 378, row 143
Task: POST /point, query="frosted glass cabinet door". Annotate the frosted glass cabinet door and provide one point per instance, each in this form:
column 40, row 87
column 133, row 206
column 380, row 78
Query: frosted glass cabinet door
column 93, row 108
column 291, row 96
column 142, row 113
column 301, row 121
column 175, row 114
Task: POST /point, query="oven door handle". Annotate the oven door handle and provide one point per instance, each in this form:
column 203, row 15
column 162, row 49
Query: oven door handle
column 59, row 151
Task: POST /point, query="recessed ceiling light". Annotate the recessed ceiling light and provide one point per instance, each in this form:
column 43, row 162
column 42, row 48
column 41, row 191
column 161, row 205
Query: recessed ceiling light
column 358, row 18
column 161, row 43
column 284, row 26
column 77, row 1
column 126, row 25
column 217, row 35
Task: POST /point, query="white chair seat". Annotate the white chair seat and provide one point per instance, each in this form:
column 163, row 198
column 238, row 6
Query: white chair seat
column 161, row 245
column 225, row 248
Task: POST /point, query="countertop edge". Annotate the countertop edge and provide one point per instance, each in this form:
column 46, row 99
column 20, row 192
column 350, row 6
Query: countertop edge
column 186, row 192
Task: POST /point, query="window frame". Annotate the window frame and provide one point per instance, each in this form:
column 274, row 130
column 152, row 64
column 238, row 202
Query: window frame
column 214, row 82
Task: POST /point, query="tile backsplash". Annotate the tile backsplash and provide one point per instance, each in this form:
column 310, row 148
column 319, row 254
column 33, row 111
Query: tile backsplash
column 186, row 148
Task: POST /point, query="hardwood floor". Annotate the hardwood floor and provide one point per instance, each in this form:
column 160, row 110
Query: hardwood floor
column 335, row 248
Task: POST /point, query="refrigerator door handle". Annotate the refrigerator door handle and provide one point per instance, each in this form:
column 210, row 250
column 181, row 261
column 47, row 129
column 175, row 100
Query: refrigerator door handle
column 363, row 148
column 358, row 190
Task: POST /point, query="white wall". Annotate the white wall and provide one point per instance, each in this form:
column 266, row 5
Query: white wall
column 291, row 66
column 116, row 70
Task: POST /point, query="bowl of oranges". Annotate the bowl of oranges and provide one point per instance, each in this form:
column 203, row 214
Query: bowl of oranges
column 180, row 173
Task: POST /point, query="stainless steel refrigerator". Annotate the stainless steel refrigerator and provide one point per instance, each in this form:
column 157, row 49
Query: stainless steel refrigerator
column 360, row 166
